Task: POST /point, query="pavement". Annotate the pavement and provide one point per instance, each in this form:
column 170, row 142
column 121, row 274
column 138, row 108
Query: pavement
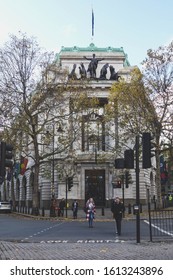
column 91, row 250
column 102, row 214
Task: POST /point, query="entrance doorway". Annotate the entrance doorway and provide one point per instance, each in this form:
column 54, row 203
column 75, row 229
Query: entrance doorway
column 95, row 186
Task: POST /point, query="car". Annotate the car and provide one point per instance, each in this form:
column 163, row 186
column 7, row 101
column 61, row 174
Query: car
column 5, row 207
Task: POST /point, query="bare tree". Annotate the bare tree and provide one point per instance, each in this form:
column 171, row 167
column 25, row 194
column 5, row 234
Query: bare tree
column 145, row 102
column 35, row 93
column 158, row 80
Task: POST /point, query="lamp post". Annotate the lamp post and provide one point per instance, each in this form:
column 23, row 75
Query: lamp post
column 123, row 190
column 68, row 168
column 137, row 192
column 53, row 164
column 52, row 204
column 66, row 190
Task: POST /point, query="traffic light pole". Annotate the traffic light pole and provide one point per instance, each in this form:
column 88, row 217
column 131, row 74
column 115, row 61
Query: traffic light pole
column 123, row 191
column 66, row 189
column 137, row 192
column 52, row 206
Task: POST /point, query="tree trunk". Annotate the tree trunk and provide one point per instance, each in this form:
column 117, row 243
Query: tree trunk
column 35, row 195
column 158, row 181
column 13, row 195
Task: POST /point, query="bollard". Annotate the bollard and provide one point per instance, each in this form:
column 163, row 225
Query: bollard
column 52, row 211
column 103, row 211
column 43, row 211
column 129, row 209
column 155, row 205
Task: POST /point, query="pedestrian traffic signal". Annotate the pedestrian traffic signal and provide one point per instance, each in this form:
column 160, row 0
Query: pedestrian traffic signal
column 118, row 184
column 6, row 156
column 128, row 179
column 70, row 183
column 147, row 152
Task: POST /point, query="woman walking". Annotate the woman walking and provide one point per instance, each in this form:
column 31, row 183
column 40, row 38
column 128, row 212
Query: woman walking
column 90, row 211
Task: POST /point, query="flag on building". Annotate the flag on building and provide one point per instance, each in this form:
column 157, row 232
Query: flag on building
column 16, row 169
column 163, row 170
column 9, row 174
column 23, row 165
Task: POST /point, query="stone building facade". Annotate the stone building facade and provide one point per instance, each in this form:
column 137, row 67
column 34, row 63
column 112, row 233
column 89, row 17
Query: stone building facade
column 94, row 173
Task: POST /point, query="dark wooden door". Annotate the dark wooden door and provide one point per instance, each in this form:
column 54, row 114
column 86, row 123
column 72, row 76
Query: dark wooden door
column 95, row 186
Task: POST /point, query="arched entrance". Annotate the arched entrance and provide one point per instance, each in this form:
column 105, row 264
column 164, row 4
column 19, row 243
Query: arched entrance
column 95, row 186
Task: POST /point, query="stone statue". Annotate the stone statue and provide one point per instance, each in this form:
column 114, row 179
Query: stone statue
column 82, row 71
column 92, row 65
column 72, row 75
column 103, row 71
column 114, row 75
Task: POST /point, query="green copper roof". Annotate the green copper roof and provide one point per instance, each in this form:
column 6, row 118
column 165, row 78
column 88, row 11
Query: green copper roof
column 92, row 48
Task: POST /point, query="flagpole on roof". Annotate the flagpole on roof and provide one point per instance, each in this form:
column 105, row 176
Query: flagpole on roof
column 92, row 22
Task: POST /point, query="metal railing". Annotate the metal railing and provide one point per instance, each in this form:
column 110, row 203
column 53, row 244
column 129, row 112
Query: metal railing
column 161, row 224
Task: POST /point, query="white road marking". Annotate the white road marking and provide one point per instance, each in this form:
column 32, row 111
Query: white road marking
column 158, row 228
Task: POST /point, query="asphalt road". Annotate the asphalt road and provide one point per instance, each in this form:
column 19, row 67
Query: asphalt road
column 23, row 238
column 21, row 229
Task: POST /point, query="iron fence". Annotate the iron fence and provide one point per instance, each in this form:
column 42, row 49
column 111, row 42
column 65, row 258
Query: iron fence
column 161, row 224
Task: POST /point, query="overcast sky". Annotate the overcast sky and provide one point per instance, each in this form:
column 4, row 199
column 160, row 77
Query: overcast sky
column 135, row 25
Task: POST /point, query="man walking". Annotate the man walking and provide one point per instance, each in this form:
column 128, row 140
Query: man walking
column 62, row 205
column 75, row 208
column 118, row 209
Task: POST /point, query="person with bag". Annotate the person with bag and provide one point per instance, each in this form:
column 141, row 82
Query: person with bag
column 75, row 209
column 117, row 209
column 62, row 205
column 90, row 211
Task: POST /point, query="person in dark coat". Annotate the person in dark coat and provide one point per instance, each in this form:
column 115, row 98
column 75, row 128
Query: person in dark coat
column 75, row 209
column 118, row 209
column 61, row 207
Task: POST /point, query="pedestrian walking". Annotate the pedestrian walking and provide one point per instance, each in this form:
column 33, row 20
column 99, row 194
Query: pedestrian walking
column 75, row 209
column 117, row 209
column 61, row 207
column 90, row 211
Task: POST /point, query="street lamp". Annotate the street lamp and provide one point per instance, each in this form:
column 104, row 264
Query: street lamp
column 68, row 168
column 52, row 206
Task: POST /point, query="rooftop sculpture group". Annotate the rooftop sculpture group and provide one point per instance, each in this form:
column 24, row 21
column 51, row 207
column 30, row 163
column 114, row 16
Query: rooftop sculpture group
column 93, row 65
column 92, row 70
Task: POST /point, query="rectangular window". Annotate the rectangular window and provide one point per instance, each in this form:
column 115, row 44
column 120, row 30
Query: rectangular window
column 93, row 133
column 93, row 128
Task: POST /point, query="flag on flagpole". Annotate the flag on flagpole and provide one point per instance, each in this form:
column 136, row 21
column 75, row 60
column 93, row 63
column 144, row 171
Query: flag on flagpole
column 17, row 169
column 23, row 165
column 92, row 22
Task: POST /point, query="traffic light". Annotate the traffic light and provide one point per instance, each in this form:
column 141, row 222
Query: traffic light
column 129, row 159
column 128, row 179
column 6, row 156
column 119, row 163
column 70, row 183
column 117, row 184
column 147, row 146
